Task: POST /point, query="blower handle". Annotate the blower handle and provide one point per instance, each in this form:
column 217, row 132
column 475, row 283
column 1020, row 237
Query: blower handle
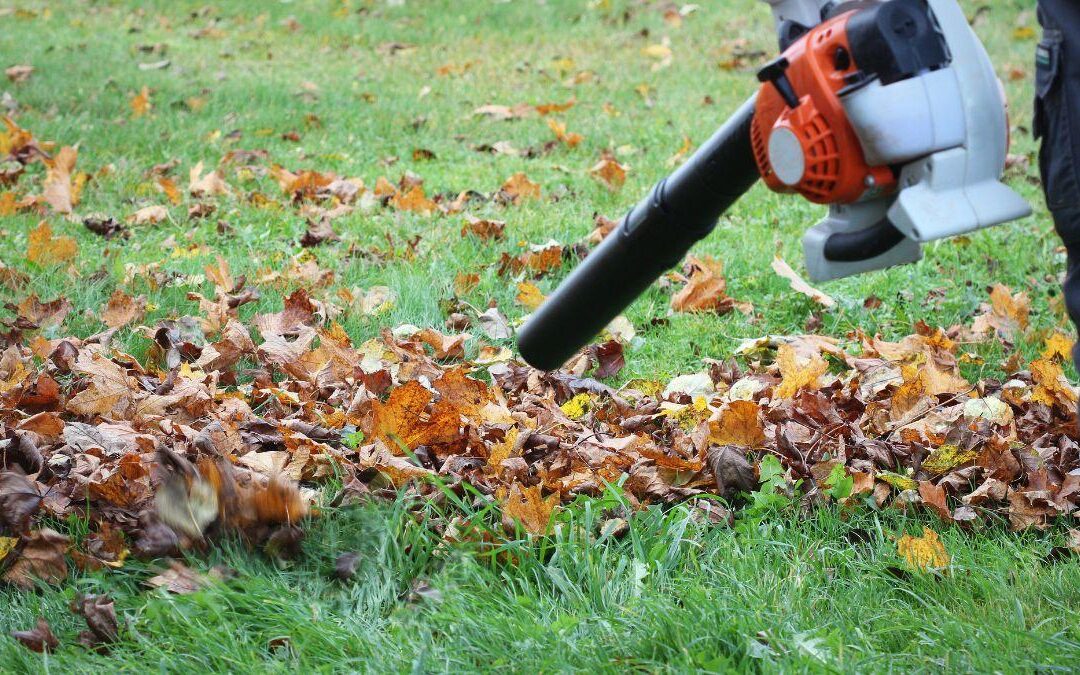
column 653, row 237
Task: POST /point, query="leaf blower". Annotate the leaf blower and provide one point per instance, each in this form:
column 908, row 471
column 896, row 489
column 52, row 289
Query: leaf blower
column 889, row 112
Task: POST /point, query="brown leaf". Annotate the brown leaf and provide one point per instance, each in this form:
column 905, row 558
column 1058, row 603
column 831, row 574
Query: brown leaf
column 38, row 639
column 482, row 228
column 149, row 215
column 706, row 288
column 123, row 309
column 731, row 470
column 179, row 579
column 18, row 74
column 41, row 559
column 100, row 615
column 140, row 103
column 519, row 188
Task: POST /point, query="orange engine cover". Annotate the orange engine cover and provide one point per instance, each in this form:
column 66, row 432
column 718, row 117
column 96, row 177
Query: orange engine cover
column 824, row 160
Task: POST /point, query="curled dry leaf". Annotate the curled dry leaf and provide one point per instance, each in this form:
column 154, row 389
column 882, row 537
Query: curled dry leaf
column 799, row 285
column 706, row 288
column 609, row 173
column 38, row 639
column 519, row 188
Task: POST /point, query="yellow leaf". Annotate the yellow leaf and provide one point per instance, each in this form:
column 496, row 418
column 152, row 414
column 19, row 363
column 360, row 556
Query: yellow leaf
column 7, row 545
column 798, row 372
column 529, row 295
column 45, row 249
column 576, row 407
column 924, row 553
column 1060, row 346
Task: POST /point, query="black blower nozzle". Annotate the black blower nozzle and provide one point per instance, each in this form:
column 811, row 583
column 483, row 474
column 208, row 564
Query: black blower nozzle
column 652, row 238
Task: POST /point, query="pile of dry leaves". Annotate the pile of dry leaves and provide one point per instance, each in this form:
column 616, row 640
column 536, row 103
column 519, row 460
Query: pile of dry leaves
column 238, row 429
column 237, row 426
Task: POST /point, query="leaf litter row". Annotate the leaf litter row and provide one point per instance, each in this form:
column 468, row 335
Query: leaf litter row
column 234, row 426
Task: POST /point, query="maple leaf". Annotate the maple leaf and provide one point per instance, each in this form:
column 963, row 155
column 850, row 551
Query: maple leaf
column 609, row 173
column 798, row 372
column 799, row 285
column 149, row 215
column 706, row 288
column 739, row 424
column 1007, row 314
column 180, row 579
column 207, row 185
column 413, row 200
column 404, row 418
column 465, row 282
column 19, row 73
column 528, row 507
column 45, row 249
column 926, row 553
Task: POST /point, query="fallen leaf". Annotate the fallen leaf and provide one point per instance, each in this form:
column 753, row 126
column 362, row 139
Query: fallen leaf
column 799, row 285
column 45, row 249
column 19, row 73
column 140, row 103
column 528, row 507
column 38, row 639
column 926, row 553
column 123, row 309
column 519, row 188
column 798, row 372
column 41, row 559
column 739, row 424
column 609, row 173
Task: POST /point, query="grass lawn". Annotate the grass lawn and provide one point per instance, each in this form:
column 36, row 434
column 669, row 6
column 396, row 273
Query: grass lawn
column 373, row 89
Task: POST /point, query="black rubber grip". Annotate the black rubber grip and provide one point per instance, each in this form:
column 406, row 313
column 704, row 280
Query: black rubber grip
column 862, row 244
column 651, row 239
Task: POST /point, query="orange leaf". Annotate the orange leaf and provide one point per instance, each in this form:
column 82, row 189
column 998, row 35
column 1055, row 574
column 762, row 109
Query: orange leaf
column 739, row 424
column 140, row 103
column 526, row 506
column 45, row 249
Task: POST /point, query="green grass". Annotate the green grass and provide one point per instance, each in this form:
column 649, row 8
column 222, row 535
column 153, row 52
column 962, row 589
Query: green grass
column 673, row 595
